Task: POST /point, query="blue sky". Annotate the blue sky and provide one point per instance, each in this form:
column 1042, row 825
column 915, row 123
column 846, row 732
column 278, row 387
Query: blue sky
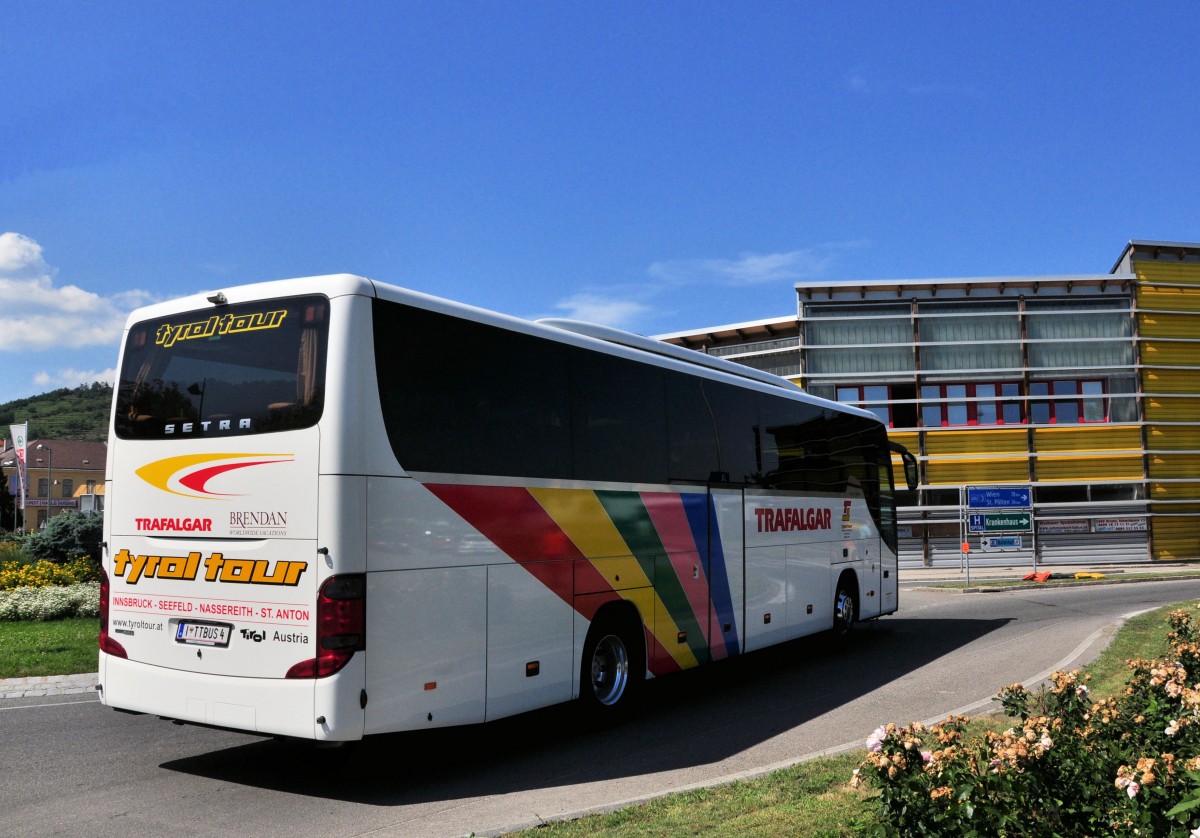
column 657, row 166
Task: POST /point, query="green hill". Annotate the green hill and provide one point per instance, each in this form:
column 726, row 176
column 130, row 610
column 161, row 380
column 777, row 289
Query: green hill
column 80, row 413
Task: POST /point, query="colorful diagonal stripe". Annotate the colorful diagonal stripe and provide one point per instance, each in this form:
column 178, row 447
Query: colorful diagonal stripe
column 583, row 542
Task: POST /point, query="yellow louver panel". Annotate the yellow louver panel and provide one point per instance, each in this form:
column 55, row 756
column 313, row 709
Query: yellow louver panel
column 1167, row 272
column 1085, row 469
column 1174, row 491
column 1184, row 354
column 1172, row 410
column 958, row 472
column 1173, row 438
column 1157, row 325
column 1176, row 538
column 1168, row 381
column 982, row 443
column 1168, row 299
column 1088, row 438
column 1174, row 465
column 908, row 439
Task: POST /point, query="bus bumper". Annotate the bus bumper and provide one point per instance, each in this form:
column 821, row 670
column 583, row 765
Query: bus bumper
column 324, row 709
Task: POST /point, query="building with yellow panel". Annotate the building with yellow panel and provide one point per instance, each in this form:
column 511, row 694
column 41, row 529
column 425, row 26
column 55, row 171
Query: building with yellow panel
column 1167, row 305
column 1084, row 388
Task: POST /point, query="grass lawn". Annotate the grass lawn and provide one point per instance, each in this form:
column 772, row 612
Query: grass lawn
column 57, row 647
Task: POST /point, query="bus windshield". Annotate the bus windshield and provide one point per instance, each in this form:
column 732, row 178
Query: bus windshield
column 236, row 369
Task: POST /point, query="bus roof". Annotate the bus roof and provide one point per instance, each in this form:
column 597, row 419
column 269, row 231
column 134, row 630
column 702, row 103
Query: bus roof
column 645, row 344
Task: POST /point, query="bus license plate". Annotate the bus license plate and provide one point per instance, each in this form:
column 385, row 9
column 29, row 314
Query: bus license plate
column 203, row 634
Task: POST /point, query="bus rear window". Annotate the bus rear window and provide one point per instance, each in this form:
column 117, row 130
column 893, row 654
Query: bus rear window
column 240, row 369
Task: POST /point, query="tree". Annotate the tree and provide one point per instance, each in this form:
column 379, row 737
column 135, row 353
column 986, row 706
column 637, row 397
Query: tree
column 67, row 536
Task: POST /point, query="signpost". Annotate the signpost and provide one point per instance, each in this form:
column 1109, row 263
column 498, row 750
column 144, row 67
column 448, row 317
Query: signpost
column 996, row 512
column 1000, row 522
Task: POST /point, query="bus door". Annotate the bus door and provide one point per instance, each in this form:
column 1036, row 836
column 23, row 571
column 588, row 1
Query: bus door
column 726, row 567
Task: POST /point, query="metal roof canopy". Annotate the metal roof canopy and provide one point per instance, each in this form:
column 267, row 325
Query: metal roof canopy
column 736, row 333
column 1155, row 251
column 964, row 288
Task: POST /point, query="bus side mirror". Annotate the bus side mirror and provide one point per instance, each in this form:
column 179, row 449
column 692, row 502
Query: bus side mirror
column 911, row 475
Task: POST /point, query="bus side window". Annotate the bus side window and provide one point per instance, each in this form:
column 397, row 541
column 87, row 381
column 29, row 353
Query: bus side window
column 691, row 433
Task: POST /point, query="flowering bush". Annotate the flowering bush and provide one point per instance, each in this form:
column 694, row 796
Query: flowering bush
column 52, row 602
column 38, row 574
column 1124, row 765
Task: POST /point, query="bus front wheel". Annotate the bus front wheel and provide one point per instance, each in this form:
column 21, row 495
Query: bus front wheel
column 612, row 669
column 845, row 609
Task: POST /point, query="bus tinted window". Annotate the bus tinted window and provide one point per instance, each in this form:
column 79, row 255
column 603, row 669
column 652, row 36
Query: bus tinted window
column 464, row 397
column 618, row 419
column 460, row 396
column 735, row 412
column 230, row 370
column 795, row 447
column 691, row 434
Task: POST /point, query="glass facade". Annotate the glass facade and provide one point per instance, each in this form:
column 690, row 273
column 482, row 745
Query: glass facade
column 1083, row 388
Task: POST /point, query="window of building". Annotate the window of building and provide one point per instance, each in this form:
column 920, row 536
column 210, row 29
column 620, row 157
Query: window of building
column 43, row 488
column 992, row 403
column 1067, row 402
column 872, row 397
column 941, row 497
column 1076, row 333
column 841, row 340
column 1116, row 492
column 68, row 488
column 1061, row 494
column 970, row 336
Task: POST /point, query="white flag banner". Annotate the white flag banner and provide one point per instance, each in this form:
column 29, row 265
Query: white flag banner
column 20, row 433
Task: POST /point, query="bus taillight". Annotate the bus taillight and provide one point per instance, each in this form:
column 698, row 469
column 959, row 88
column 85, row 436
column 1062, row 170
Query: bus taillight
column 107, row 644
column 341, row 626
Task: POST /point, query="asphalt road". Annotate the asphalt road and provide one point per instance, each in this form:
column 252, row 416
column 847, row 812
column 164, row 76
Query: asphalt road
column 74, row 768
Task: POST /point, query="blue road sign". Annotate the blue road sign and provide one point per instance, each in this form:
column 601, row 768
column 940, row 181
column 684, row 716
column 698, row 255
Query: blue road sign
column 999, row 497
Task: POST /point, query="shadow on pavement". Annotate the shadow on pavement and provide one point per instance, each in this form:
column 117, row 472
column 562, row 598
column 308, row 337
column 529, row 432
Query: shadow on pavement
column 689, row 719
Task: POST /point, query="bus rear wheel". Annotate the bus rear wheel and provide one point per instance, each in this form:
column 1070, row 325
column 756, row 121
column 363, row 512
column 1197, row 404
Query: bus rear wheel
column 611, row 670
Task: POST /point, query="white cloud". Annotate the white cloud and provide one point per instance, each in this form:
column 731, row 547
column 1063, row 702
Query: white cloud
column 675, row 282
column 747, row 269
column 607, row 311
column 74, row 378
column 859, row 80
column 38, row 315
column 943, row 89
column 856, row 79
column 21, row 256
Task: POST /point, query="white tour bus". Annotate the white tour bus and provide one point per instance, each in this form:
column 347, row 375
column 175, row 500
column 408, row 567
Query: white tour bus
column 340, row 508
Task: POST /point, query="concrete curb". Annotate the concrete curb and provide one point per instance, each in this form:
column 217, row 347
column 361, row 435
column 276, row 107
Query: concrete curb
column 989, row 586
column 49, row 685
